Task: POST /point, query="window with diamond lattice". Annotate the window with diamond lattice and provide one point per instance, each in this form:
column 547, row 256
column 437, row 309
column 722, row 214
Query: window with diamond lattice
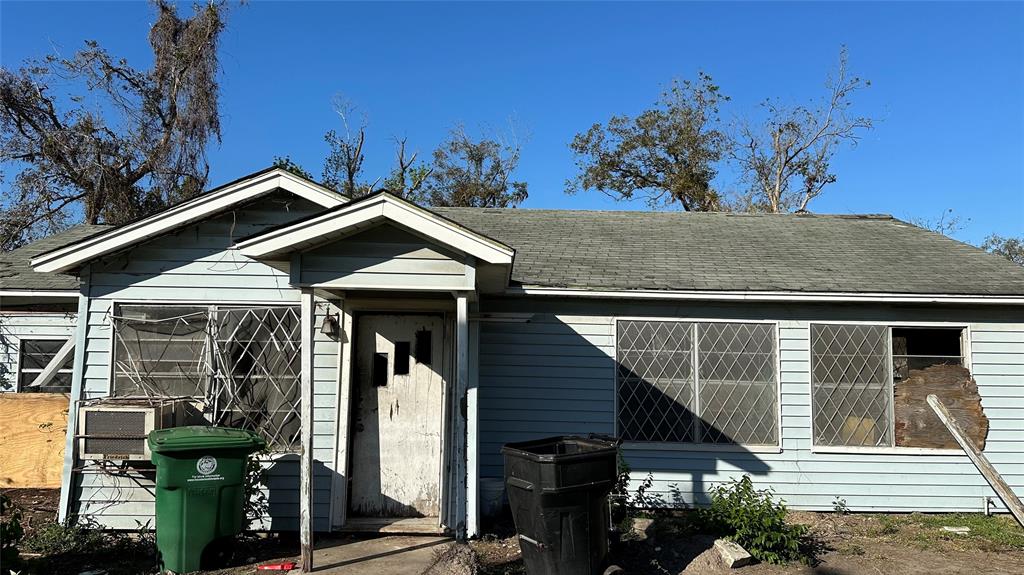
column 697, row 382
column 851, row 383
column 242, row 362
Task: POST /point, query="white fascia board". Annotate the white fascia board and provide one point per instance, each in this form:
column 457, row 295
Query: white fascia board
column 189, row 212
column 327, row 227
column 808, row 297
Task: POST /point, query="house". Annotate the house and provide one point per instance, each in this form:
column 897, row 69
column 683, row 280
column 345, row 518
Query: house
column 37, row 317
column 387, row 351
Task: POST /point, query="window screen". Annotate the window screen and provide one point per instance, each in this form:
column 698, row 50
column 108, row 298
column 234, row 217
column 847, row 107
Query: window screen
column 697, row 382
column 34, row 356
column 851, row 385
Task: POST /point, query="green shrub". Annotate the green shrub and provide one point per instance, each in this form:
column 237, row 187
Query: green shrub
column 10, row 530
column 753, row 519
column 69, row 537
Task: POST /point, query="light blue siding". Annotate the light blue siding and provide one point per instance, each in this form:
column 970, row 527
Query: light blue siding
column 194, row 265
column 16, row 326
column 384, row 257
column 555, row 375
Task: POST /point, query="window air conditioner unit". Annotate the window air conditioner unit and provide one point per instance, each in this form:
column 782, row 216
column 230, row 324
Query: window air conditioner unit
column 116, row 428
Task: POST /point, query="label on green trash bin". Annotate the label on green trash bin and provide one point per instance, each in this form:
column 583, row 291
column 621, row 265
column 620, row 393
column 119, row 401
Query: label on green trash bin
column 206, row 469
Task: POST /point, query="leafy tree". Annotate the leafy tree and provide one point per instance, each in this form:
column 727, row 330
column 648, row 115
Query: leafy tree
column 787, row 158
column 140, row 149
column 475, row 173
column 667, row 155
column 286, row 164
column 1010, row 248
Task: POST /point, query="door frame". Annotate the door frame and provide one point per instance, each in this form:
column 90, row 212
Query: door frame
column 351, row 309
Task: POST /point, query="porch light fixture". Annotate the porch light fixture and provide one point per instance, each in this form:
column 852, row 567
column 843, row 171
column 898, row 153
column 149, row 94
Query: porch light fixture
column 330, row 326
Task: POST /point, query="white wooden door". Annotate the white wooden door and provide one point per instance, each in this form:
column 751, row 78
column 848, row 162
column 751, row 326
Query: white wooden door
column 397, row 408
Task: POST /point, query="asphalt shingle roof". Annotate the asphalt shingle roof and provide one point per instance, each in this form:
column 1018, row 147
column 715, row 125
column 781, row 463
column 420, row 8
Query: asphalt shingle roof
column 618, row 250
column 713, row 251
column 16, row 272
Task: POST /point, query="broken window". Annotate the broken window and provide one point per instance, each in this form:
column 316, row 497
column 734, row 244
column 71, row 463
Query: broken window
column 870, row 385
column 161, row 351
column 693, row 382
column 243, row 363
column 34, row 356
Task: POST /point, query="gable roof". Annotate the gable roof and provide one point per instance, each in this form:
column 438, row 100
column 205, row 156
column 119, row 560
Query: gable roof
column 16, row 273
column 367, row 212
column 202, row 206
column 666, row 251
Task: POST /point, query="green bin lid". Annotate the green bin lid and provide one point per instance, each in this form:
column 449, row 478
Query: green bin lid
column 193, row 437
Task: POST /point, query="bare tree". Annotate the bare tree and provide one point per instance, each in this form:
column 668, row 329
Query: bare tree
column 476, row 173
column 948, row 223
column 787, row 158
column 343, row 166
column 409, row 177
column 141, row 148
column 667, row 155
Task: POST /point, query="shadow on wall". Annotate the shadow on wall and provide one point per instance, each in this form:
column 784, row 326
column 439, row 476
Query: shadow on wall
column 545, row 377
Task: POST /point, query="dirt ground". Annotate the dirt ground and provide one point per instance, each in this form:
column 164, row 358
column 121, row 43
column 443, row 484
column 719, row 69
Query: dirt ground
column 851, row 544
column 847, row 544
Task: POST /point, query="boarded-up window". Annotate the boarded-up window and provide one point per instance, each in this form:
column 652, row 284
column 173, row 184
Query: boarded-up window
column 721, row 389
column 34, row 356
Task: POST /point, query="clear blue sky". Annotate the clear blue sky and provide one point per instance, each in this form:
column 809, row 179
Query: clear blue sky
column 948, row 83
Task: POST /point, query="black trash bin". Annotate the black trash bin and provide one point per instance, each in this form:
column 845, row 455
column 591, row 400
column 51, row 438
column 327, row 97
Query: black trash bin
column 558, row 490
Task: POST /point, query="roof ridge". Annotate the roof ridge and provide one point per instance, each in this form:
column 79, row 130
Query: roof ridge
column 867, row 216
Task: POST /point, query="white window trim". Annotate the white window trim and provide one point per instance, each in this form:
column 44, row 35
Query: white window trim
column 17, row 360
column 699, row 447
column 968, row 357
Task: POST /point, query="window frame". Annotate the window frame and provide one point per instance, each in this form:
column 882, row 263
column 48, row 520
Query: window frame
column 965, row 351
column 211, row 305
column 17, row 363
column 699, row 447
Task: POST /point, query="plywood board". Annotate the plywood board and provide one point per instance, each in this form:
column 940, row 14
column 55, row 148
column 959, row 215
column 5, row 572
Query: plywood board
column 32, row 428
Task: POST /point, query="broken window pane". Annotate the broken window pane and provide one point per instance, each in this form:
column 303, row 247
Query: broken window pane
column 244, row 362
column 258, row 364
column 35, row 355
column 161, row 351
column 929, row 361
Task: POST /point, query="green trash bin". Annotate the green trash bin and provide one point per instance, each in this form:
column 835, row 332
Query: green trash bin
column 200, row 488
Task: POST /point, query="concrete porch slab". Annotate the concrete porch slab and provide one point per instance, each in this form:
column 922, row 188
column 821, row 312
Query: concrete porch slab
column 391, row 555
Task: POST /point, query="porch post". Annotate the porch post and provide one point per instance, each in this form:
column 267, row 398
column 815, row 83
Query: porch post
column 306, row 424
column 462, row 387
column 472, row 435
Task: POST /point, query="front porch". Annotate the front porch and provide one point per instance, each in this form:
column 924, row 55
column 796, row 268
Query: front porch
column 393, row 286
